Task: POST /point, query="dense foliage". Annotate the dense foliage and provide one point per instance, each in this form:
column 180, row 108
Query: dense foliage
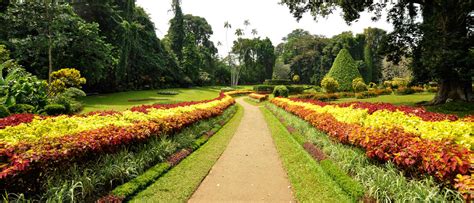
column 344, row 70
column 440, row 44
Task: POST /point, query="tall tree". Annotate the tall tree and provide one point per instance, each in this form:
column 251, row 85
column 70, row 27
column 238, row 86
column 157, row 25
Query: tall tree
column 176, row 32
column 440, row 43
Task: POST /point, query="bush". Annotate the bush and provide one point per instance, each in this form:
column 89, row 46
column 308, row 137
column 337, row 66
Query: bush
column 296, row 89
column 330, row 84
column 405, row 91
column 400, row 82
column 21, row 108
column 344, row 70
column 4, row 112
column 281, row 91
column 366, row 94
column 55, row 109
column 277, row 82
column 263, row 88
column 64, row 79
column 296, row 78
column 358, row 85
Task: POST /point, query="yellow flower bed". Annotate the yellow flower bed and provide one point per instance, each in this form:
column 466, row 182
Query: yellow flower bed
column 64, row 125
column 460, row 131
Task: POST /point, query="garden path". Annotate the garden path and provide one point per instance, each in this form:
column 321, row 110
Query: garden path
column 249, row 169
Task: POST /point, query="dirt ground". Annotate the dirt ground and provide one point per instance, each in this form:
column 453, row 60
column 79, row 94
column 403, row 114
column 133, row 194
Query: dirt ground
column 249, row 169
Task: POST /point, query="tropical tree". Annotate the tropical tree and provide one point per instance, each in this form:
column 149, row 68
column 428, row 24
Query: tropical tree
column 176, row 32
column 440, row 43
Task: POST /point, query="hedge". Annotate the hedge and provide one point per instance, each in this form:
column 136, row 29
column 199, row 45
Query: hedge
column 344, row 70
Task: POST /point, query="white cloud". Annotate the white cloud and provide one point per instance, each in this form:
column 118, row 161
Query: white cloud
column 267, row 16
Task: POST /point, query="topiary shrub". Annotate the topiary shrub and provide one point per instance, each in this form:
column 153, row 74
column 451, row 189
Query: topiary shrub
column 344, row 70
column 281, row 91
column 358, row 85
column 21, row 108
column 4, row 112
column 263, row 88
column 55, row 109
column 330, row 84
column 296, row 89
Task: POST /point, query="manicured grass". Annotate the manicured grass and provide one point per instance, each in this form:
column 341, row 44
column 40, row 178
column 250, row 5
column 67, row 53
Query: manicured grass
column 409, row 100
column 459, row 108
column 124, row 100
column 310, row 183
column 180, row 182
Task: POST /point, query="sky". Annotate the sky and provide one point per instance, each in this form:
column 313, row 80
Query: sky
column 267, row 16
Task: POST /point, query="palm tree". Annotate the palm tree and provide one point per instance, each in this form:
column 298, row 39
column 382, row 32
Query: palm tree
column 254, row 32
column 219, row 43
column 239, row 32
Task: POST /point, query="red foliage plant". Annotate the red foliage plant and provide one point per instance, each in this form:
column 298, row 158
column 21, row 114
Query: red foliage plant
column 442, row 159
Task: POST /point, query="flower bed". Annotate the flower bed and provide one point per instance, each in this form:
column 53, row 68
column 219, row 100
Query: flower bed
column 239, row 93
column 258, row 97
column 444, row 154
column 43, row 144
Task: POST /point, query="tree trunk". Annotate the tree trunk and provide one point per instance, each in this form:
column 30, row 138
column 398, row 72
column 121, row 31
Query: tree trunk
column 456, row 90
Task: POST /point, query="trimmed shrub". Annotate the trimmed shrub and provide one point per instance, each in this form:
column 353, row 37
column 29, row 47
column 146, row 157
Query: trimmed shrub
column 277, row 82
column 344, row 70
column 281, row 91
column 296, row 78
column 55, row 109
column 330, row 84
column 296, row 89
column 21, row 108
column 405, row 91
column 358, row 85
column 263, row 88
column 349, row 185
column 4, row 112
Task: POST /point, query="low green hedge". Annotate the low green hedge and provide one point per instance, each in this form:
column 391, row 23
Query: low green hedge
column 277, row 82
column 263, row 88
column 350, row 186
column 55, row 109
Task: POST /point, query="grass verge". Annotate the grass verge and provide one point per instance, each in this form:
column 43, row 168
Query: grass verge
column 384, row 182
column 178, row 184
column 310, row 183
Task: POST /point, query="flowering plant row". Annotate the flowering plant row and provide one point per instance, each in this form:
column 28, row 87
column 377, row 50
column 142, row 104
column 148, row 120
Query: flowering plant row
column 26, row 156
column 239, row 92
column 373, row 115
column 259, row 97
column 440, row 158
column 64, row 125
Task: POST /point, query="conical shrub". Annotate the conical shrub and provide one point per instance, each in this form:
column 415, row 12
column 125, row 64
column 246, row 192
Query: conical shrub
column 344, row 70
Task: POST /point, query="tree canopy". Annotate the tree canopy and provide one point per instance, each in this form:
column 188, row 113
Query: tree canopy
column 440, row 43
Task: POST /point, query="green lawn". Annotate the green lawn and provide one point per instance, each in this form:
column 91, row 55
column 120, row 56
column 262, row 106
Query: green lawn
column 309, row 181
column 178, row 184
column 122, row 101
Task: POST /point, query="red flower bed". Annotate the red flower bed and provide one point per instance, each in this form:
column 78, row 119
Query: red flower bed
column 16, row 119
column 30, row 160
column 444, row 160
